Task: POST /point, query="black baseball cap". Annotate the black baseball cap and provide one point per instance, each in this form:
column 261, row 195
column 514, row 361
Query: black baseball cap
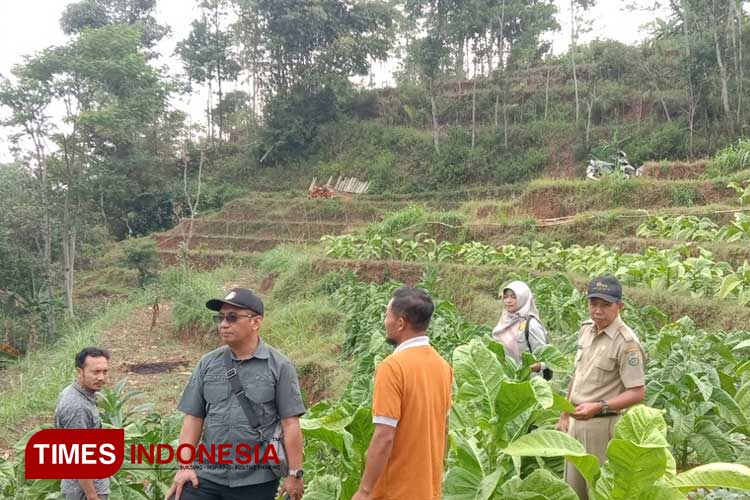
column 606, row 288
column 238, row 297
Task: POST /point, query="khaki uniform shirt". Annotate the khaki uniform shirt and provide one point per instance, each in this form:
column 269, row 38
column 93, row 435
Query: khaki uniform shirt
column 607, row 362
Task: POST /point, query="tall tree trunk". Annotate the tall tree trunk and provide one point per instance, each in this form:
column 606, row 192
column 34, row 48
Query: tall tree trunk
column 209, row 121
column 691, row 89
column 474, row 109
column 505, row 124
column 193, row 203
column 217, row 33
column 69, row 252
column 69, row 221
column 433, row 106
column 41, row 159
column 590, row 100
column 497, row 103
column 501, row 38
column 573, row 38
column 220, row 107
column 460, row 73
column 738, row 18
column 546, row 96
column 501, row 68
column 724, row 84
column 490, row 40
column 722, row 74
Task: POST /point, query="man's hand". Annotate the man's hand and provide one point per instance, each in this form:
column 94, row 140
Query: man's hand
column 362, row 495
column 586, row 411
column 293, row 486
column 182, row 477
column 562, row 424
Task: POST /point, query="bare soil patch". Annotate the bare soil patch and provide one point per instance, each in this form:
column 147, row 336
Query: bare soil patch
column 155, row 367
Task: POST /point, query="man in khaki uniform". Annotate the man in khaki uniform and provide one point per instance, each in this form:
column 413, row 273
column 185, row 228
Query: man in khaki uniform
column 608, row 377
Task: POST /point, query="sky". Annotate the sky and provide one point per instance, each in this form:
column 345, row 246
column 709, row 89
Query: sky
column 27, row 26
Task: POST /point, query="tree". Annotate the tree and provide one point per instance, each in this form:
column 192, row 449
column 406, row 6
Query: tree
column 314, row 43
column 303, row 52
column 208, row 55
column 28, row 101
column 21, row 223
column 142, row 255
column 575, row 21
column 109, row 93
column 95, row 14
column 429, row 54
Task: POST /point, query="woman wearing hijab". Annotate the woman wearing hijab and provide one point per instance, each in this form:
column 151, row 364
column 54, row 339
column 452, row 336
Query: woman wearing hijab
column 519, row 309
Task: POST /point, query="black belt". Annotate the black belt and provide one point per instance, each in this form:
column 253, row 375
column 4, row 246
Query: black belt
column 608, row 414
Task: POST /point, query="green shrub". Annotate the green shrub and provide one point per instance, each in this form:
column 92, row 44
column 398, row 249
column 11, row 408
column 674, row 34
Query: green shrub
column 684, row 196
column 618, row 191
column 381, row 172
column 515, row 168
column 141, row 254
column 658, row 141
column 395, row 222
column 189, row 290
column 454, row 164
column 730, row 159
column 294, row 272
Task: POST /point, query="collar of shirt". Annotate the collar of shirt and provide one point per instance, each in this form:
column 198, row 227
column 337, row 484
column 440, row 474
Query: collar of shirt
column 414, row 342
column 611, row 330
column 90, row 395
column 260, row 352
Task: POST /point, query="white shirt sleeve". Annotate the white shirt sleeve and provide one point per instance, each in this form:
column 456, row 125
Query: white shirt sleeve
column 391, row 422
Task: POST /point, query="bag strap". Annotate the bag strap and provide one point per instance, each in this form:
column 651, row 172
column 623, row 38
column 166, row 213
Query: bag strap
column 239, row 391
column 525, row 333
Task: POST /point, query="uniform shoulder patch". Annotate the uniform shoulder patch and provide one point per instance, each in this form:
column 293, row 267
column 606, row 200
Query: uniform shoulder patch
column 633, row 357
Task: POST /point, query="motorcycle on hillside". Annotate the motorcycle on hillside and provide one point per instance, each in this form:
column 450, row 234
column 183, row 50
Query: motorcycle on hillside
column 619, row 164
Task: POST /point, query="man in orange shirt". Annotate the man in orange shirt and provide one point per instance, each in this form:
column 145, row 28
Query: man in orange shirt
column 410, row 407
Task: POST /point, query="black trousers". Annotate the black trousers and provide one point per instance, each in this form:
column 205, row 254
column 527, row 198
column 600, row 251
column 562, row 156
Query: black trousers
column 208, row 490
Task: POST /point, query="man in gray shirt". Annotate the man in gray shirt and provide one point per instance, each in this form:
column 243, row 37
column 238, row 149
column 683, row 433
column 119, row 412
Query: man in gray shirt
column 214, row 415
column 76, row 409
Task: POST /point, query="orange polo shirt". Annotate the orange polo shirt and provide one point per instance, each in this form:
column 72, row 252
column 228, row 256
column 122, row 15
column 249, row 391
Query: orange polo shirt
column 413, row 393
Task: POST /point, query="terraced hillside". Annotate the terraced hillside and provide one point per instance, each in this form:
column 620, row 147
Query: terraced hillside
column 266, row 220
column 568, row 211
column 551, row 212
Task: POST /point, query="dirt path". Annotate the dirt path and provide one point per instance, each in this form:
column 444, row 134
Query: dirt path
column 155, row 361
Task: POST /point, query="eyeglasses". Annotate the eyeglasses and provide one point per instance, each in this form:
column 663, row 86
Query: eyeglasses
column 231, row 317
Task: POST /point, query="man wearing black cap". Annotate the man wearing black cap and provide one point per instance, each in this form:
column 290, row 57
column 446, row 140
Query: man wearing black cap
column 609, row 376
column 221, row 411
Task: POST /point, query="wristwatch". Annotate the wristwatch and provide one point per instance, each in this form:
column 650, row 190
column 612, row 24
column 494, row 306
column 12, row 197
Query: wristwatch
column 296, row 473
column 605, row 407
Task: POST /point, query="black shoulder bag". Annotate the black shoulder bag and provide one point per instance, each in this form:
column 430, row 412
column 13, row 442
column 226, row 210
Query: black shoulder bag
column 277, row 437
column 546, row 373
